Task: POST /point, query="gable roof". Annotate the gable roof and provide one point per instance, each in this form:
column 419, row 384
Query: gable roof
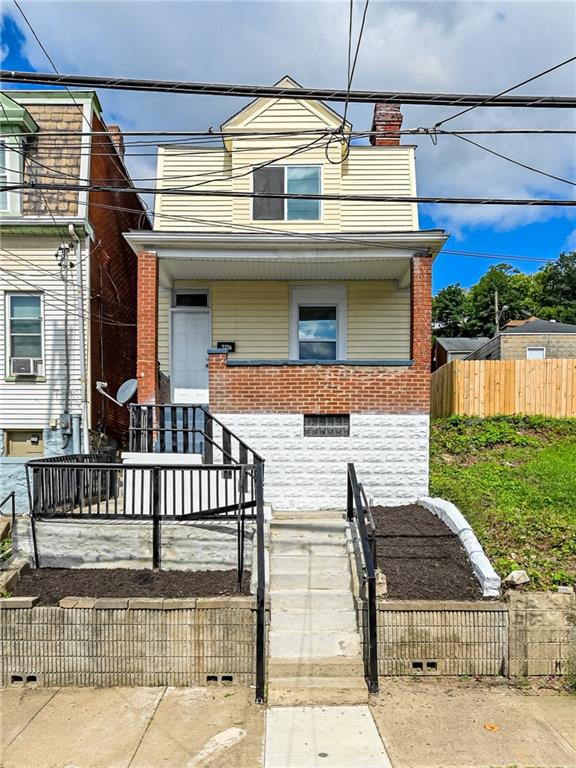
column 461, row 344
column 541, row 326
column 240, row 120
column 16, row 116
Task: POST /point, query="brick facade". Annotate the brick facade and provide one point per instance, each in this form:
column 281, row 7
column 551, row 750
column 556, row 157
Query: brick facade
column 113, row 285
column 147, row 359
column 335, row 388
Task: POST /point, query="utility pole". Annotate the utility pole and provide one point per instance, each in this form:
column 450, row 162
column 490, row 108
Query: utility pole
column 496, row 313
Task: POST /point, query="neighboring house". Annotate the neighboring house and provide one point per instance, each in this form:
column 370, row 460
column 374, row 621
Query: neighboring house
column 67, row 279
column 534, row 339
column 448, row 349
column 305, row 325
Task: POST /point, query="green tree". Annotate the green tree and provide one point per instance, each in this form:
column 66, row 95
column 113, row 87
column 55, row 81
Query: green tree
column 554, row 289
column 450, row 310
column 514, row 292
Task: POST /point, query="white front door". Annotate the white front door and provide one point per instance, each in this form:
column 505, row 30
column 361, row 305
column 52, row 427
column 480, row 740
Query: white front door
column 191, row 338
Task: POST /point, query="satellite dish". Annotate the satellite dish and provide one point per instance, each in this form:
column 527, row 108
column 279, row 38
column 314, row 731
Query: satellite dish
column 127, row 391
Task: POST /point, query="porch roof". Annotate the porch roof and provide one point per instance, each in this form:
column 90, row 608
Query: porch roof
column 325, row 256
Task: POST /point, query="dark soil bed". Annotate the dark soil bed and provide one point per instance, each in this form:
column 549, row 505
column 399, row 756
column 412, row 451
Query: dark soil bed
column 420, row 557
column 52, row 584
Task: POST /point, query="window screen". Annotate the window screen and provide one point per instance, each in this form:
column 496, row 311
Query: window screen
column 293, row 179
column 317, row 332
column 269, row 180
column 326, row 425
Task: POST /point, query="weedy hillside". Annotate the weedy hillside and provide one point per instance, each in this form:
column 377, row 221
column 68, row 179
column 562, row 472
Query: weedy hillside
column 514, row 479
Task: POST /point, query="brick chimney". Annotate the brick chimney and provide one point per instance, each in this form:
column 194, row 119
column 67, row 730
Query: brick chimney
column 387, row 122
column 117, row 138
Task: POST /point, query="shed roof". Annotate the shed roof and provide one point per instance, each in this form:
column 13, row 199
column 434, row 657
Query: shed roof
column 462, row 344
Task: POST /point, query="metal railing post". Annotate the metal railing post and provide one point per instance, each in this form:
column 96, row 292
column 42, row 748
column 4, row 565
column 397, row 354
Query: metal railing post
column 155, row 499
column 261, row 586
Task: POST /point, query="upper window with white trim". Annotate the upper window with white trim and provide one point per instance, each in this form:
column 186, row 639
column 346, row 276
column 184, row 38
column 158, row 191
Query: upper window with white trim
column 24, row 319
column 290, row 179
column 10, row 173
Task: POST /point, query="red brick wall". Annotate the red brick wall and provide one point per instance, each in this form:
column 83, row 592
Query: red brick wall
column 113, row 284
column 333, row 388
column 147, row 365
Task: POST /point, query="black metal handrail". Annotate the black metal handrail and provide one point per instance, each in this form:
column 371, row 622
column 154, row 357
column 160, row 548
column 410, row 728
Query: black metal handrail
column 10, row 497
column 186, row 428
column 357, row 511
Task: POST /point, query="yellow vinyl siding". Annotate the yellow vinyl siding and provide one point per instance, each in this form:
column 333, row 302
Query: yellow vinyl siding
column 367, row 170
column 256, row 315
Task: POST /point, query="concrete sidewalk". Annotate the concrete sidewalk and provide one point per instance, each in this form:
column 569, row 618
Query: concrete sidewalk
column 441, row 723
column 449, row 723
column 130, row 728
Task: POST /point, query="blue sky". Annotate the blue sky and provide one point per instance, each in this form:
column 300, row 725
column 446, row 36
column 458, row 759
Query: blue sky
column 82, row 39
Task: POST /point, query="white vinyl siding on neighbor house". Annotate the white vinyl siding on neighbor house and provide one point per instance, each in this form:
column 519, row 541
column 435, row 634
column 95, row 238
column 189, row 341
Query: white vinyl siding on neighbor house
column 256, row 315
column 26, row 403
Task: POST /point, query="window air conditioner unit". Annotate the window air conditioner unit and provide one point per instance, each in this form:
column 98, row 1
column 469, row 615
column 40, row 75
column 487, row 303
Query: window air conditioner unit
column 25, row 366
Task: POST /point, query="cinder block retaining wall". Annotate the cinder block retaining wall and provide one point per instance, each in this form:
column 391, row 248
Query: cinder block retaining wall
column 529, row 633
column 103, row 646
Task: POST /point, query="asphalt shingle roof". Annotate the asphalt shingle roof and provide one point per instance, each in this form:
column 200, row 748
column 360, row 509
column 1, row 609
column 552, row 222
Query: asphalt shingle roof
column 461, row 344
column 541, row 326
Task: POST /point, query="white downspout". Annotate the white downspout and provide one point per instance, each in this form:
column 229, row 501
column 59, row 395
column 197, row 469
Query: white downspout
column 81, row 340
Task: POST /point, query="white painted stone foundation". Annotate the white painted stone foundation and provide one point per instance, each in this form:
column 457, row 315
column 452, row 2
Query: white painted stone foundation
column 186, row 545
column 390, row 453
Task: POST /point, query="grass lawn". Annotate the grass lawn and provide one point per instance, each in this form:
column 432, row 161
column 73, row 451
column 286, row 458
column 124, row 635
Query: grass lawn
column 514, row 479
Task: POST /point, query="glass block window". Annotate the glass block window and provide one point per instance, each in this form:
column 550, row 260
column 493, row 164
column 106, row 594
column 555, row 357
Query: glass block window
column 317, row 332
column 326, row 425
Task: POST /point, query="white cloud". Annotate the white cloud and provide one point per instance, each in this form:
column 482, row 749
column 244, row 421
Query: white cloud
column 424, row 46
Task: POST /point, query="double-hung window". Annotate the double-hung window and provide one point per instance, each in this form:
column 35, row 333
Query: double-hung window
column 281, row 180
column 25, row 333
column 318, row 322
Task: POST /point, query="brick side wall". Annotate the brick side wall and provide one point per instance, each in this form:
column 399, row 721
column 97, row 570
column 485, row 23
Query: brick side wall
column 558, row 345
column 113, row 284
column 57, row 155
column 147, row 360
column 333, row 388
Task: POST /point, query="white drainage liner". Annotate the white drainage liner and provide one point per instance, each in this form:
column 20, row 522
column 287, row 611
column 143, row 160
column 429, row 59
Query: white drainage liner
column 455, row 520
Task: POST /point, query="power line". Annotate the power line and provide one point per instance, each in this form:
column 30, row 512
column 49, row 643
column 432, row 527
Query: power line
column 186, row 192
column 491, row 99
column 278, row 92
column 517, row 162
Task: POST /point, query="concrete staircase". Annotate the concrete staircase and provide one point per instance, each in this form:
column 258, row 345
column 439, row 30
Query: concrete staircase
column 314, row 652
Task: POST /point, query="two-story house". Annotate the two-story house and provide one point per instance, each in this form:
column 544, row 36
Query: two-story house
column 67, row 279
column 303, row 324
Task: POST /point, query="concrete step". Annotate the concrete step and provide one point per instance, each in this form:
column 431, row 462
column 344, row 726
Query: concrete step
column 316, row 691
column 328, row 666
column 308, row 533
column 329, row 526
column 290, row 644
column 312, row 514
column 311, row 599
column 301, row 581
column 290, row 545
column 309, row 564
column 316, row 621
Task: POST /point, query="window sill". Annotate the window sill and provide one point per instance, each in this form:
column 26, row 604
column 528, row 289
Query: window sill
column 234, row 362
column 25, row 379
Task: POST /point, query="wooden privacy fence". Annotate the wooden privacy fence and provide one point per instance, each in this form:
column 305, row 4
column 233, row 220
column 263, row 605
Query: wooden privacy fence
column 504, row 387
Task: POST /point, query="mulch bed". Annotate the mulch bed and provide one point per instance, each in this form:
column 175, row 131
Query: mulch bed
column 52, row 584
column 420, row 557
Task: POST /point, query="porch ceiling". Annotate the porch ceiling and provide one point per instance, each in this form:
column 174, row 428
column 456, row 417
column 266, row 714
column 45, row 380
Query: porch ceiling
column 307, row 267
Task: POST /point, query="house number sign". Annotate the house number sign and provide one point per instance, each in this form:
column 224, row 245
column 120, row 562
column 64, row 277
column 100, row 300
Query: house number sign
column 226, row 346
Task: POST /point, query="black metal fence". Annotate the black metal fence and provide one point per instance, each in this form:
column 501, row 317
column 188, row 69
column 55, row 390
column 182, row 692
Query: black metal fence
column 358, row 511
column 186, row 429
